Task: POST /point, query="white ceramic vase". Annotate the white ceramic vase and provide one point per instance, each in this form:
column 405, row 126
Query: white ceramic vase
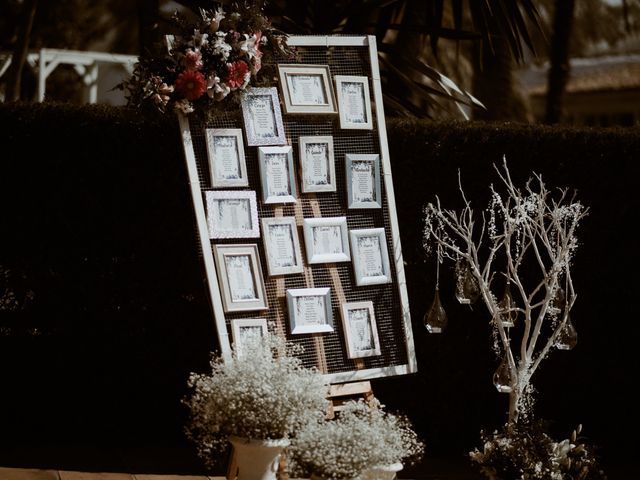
column 257, row 459
column 382, row 472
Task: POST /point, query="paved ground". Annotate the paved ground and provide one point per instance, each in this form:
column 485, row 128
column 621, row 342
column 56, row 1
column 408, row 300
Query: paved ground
column 36, row 474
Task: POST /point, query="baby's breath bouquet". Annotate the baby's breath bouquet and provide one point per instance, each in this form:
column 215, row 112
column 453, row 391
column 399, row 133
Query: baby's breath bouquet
column 264, row 394
column 204, row 64
column 525, row 451
column 361, row 437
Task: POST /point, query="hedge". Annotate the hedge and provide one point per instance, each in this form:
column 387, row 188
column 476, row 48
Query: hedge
column 98, row 243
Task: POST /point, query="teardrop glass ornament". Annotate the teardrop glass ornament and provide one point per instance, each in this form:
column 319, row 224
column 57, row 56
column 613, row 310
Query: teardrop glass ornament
column 435, row 320
column 467, row 290
column 507, row 308
column 502, row 377
column 559, row 299
column 568, row 336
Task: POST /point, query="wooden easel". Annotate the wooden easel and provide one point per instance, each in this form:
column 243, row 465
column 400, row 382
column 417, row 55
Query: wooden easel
column 341, row 393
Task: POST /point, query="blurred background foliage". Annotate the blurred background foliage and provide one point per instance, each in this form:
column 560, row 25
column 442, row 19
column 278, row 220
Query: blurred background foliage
column 439, row 59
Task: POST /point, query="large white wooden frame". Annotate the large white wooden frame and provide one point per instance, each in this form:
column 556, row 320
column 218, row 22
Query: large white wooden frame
column 214, row 291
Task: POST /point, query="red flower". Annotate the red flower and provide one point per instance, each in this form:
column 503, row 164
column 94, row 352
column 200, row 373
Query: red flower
column 191, row 84
column 237, row 74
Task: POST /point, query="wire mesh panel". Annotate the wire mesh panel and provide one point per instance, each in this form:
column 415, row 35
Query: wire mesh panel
column 328, row 351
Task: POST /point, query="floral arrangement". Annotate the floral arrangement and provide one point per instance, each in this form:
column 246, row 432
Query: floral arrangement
column 525, row 451
column 266, row 393
column 205, row 63
column 359, row 438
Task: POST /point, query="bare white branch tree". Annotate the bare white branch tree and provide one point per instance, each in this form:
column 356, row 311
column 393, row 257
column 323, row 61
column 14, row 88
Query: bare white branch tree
column 524, row 242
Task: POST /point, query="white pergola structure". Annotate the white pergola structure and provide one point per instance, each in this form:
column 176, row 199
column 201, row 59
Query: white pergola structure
column 86, row 64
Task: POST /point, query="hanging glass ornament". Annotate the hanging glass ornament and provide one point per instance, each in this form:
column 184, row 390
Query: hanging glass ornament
column 502, row 378
column 568, row 336
column 507, row 308
column 435, row 320
column 467, row 290
column 559, row 299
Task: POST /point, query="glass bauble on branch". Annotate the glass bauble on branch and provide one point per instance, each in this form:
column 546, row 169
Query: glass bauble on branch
column 435, row 320
column 507, row 308
column 467, row 289
column 502, row 378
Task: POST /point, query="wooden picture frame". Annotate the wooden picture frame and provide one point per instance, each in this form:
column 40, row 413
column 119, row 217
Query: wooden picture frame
column 362, row 173
column 246, row 331
column 232, row 214
column 326, row 240
column 225, row 151
column 277, row 175
column 360, row 329
column 240, row 276
column 310, row 310
column 307, row 89
column 281, row 245
column 262, row 116
column 370, row 256
column 354, row 102
column 317, row 163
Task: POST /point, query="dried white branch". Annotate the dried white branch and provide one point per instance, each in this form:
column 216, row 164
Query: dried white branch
column 530, row 231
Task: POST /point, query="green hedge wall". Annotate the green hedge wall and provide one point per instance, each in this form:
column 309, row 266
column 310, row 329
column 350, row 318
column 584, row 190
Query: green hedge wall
column 98, row 244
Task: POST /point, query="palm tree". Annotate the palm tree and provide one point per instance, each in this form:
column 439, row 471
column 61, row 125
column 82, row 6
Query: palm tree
column 409, row 35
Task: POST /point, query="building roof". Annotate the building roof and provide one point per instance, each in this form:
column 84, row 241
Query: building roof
column 597, row 74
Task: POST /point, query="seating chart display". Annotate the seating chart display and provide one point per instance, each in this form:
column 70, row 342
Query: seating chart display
column 295, row 213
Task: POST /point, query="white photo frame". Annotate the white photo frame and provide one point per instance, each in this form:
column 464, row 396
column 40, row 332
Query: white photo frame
column 370, row 256
column 307, row 89
column 227, row 164
column 281, row 245
column 317, row 164
column 262, row 116
column 240, row 276
column 362, row 173
column 247, row 332
column 360, row 329
column 326, row 240
column 310, row 310
column 277, row 175
column 354, row 102
column 232, row 214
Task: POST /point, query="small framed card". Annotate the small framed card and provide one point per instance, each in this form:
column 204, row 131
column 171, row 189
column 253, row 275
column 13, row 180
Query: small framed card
column 277, row 175
column 281, row 245
column 326, row 240
column 232, row 214
column 370, row 256
column 262, row 116
column 354, row 103
column 247, row 333
column 317, row 163
column 307, row 89
column 310, row 310
column 227, row 164
column 360, row 330
column 240, row 277
column 363, row 181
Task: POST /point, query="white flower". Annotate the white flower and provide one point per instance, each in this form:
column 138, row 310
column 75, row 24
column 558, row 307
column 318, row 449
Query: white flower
column 183, row 106
column 250, row 45
column 220, row 46
column 361, row 436
column 200, row 39
column 255, row 396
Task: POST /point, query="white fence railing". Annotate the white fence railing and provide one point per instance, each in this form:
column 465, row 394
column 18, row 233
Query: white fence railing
column 86, row 64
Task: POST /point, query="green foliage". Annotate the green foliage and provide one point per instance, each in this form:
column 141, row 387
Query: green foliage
column 525, row 451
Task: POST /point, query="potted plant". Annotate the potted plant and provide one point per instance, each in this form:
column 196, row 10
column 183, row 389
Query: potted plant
column 361, row 442
column 255, row 401
column 526, row 451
